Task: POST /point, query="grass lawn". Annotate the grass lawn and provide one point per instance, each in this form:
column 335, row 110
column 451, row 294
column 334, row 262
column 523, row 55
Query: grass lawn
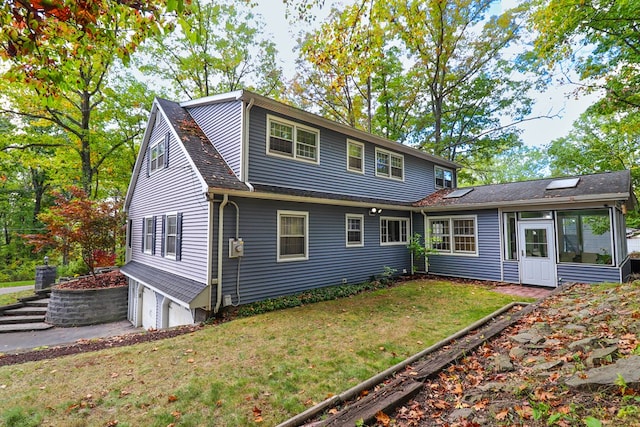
column 12, row 297
column 14, row 284
column 264, row 369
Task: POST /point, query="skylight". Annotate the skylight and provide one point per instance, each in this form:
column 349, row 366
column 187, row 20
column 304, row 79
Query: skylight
column 458, row 193
column 558, row 184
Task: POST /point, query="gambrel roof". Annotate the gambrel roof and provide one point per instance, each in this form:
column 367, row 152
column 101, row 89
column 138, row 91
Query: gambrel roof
column 603, row 187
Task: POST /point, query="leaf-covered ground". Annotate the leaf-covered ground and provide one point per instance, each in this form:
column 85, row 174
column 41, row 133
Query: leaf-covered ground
column 521, row 377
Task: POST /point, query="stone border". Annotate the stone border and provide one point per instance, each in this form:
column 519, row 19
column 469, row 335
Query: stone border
column 82, row 307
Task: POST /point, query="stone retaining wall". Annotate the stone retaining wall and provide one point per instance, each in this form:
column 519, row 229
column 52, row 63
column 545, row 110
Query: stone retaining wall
column 79, row 307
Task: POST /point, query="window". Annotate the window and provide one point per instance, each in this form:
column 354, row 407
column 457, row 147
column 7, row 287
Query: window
column 149, row 235
column 510, row 236
column 584, row 236
column 444, row 177
column 158, row 154
column 354, row 227
column 171, row 235
column 355, row 156
column 389, row 165
column 292, row 140
column 394, row 231
column 456, row 235
column 293, row 231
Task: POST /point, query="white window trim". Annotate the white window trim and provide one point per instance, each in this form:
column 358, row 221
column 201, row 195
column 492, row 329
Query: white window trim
column 149, row 249
column 452, row 251
column 347, row 217
column 155, row 145
column 435, row 169
column 352, row 142
column 296, row 126
column 394, row 218
column 166, row 235
column 306, row 236
column 390, row 154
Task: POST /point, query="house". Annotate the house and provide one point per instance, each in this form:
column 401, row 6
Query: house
column 236, row 198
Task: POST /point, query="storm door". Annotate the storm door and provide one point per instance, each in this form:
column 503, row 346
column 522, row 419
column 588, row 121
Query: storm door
column 537, row 253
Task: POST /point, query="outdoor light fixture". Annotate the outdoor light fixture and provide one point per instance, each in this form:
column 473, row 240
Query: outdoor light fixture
column 46, row 260
column 374, row 211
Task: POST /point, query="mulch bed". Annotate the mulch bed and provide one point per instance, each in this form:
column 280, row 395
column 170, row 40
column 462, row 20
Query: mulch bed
column 111, row 279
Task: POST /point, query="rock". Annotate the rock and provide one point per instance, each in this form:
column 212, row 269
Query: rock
column 547, row 366
column 518, row 353
column 607, row 376
column 600, row 355
column 460, row 414
column 524, row 337
column 501, row 363
column 574, row 327
column 583, row 344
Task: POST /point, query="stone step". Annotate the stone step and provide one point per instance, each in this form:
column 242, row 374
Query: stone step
column 26, row 311
column 12, row 320
column 42, row 302
column 24, row 327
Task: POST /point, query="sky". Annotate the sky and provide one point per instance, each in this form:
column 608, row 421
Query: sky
column 557, row 99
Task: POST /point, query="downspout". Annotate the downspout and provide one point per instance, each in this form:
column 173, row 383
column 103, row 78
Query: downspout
column 210, row 280
column 225, row 201
column 426, row 263
column 245, row 145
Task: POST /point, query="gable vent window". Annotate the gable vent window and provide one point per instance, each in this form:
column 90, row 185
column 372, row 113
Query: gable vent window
column 292, row 140
column 444, row 177
column 159, row 154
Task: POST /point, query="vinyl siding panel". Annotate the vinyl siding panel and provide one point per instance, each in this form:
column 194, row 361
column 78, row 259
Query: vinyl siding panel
column 587, row 273
column 261, row 276
column 511, row 271
column 331, row 174
column 485, row 266
column 222, row 123
column 174, row 189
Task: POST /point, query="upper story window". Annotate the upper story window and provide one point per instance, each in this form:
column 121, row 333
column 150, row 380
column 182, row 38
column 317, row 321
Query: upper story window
column 292, row 140
column 394, row 231
column 444, row 177
column 158, row 152
column 293, row 232
column 389, row 165
column 355, row 156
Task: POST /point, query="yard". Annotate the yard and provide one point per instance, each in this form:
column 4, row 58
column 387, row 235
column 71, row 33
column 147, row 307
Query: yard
column 263, row 369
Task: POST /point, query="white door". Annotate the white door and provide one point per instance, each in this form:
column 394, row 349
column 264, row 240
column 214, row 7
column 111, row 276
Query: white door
column 537, row 253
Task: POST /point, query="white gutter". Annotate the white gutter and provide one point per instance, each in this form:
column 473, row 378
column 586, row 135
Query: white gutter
column 225, row 200
column 426, row 222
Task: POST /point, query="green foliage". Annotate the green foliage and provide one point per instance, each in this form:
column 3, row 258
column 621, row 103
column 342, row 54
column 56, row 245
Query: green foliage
column 592, row 422
column 18, row 417
column 316, row 295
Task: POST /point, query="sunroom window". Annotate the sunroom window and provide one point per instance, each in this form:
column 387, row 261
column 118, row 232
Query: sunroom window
column 584, row 236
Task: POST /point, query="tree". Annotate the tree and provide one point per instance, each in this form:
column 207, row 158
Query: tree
column 77, row 222
column 432, row 68
column 599, row 38
column 60, row 55
column 521, row 163
column 218, row 48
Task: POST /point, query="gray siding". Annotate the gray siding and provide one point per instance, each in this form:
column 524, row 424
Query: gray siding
column 511, row 271
column 485, row 266
column 261, row 276
column 587, row 273
column 174, row 189
column 331, row 174
column 222, row 123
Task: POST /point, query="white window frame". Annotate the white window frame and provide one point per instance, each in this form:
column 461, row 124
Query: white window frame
column 148, row 234
column 452, row 236
column 384, row 235
column 167, row 254
column 360, row 218
column 390, row 156
column 435, row 177
column 294, row 144
column 287, row 258
column 154, row 156
column 351, row 142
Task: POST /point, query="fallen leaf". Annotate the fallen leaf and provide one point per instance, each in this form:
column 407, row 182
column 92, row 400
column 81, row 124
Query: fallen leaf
column 383, row 419
column 172, row 398
column 502, row 414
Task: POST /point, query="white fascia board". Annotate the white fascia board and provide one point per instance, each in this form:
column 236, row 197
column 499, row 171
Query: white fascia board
column 213, row 99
